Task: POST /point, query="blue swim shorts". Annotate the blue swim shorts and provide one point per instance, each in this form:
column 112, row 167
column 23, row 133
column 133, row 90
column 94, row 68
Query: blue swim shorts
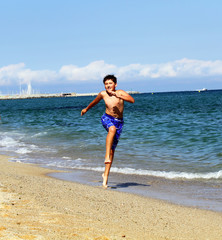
column 108, row 121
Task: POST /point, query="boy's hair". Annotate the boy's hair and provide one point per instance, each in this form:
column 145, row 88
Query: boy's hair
column 110, row 77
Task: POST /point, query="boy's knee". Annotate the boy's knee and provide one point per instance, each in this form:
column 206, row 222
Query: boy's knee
column 112, row 129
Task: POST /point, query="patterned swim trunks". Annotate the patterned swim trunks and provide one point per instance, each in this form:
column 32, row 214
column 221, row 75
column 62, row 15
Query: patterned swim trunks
column 108, row 121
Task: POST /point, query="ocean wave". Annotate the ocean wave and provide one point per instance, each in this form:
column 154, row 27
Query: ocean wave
column 23, row 151
column 15, row 145
column 163, row 174
column 8, row 142
column 40, row 134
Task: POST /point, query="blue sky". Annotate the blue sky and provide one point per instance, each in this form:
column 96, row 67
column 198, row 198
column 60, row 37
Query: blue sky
column 68, row 45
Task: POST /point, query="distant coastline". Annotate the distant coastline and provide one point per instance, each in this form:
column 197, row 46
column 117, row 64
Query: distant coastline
column 62, row 95
column 52, row 95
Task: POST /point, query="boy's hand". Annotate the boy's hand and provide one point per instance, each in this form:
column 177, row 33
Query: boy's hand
column 118, row 94
column 122, row 95
column 115, row 93
column 83, row 111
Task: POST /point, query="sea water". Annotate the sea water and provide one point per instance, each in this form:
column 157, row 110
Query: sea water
column 174, row 137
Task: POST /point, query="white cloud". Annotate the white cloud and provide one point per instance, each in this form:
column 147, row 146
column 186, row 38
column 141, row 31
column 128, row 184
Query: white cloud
column 94, row 71
column 9, row 74
column 181, row 68
column 19, row 74
column 131, row 71
column 27, row 75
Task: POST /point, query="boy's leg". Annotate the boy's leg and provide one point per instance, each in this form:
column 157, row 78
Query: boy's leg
column 107, row 169
column 109, row 143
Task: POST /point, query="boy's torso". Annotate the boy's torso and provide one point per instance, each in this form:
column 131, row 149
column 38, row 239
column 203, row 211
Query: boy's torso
column 114, row 105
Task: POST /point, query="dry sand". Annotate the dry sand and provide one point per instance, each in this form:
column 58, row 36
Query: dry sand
column 34, row 206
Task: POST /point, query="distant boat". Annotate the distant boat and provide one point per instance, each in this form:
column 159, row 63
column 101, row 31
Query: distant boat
column 202, row 90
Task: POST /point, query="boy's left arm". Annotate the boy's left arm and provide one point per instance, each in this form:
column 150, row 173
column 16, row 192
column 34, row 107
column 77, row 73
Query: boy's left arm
column 125, row 96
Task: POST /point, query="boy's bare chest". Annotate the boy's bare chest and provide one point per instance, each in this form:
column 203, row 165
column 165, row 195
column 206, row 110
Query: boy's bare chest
column 113, row 101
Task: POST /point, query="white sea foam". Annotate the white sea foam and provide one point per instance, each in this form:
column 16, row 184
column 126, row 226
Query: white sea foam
column 168, row 175
column 23, row 151
column 18, row 161
column 40, row 134
column 14, row 144
column 8, row 142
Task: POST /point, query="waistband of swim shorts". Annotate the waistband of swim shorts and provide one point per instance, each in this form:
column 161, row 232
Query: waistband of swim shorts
column 118, row 119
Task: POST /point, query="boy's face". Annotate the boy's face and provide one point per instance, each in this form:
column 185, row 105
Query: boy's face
column 110, row 85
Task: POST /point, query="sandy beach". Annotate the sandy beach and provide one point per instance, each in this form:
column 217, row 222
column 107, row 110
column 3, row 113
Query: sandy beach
column 35, row 206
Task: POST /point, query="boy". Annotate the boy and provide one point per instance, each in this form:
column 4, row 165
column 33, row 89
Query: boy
column 112, row 120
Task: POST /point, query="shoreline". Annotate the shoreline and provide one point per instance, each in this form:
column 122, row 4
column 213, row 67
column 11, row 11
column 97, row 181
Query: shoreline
column 36, row 206
column 190, row 193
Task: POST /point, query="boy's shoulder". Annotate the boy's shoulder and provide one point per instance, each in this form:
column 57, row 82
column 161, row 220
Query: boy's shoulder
column 103, row 93
column 120, row 90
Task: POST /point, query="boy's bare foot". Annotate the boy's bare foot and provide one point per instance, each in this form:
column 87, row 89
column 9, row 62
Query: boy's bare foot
column 104, row 181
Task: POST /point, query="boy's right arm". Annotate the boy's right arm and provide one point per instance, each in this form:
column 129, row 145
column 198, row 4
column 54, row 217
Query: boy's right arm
column 93, row 103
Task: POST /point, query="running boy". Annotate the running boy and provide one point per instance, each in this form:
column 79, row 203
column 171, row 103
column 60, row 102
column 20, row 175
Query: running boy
column 112, row 120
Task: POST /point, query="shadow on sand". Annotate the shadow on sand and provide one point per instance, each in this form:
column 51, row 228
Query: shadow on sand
column 128, row 184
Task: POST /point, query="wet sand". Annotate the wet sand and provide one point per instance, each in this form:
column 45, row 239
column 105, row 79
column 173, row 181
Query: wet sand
column 36, row 206
column 205, row 194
